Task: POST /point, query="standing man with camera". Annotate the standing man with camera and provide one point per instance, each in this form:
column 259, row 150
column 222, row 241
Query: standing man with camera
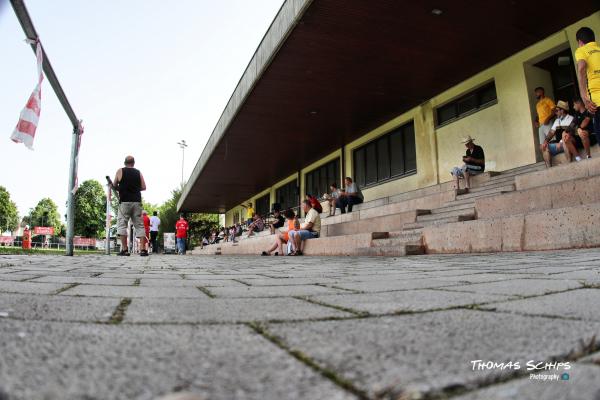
column 129, row 182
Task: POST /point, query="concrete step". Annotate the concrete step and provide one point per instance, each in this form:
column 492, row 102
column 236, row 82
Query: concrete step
column 393, row 251
column 447, row 214
column 478, row 192
column 452, row 207
column 441, row 221
column 408, row 239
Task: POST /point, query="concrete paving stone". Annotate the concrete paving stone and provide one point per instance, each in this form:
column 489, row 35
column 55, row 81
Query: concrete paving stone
column 406, row 300
column 76, row 361
column 272, row 291
column 86, row 280
column 132, row 291
column 519, row 287
column 227, row 310
column 390, row 285
column 292, row 281
column 57, row 308
column 140, row 276
column 583, row 384
column 421, row 353
column 581, row 303
column 28, row 287
column 590, row 277
column 13, row 277
column 189, row 283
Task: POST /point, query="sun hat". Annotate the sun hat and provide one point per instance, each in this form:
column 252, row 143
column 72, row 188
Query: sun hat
column 562, row 104
column 467, row 139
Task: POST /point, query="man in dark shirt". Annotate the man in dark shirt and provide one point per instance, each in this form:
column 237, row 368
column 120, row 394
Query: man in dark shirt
column 584, row 121
column 474, row 163
column 129, row 182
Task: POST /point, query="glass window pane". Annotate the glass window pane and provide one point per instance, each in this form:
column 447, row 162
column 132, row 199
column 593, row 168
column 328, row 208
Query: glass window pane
column 487, row 94
column 446, row 113
column 383, row 158
column 359, row 166
column 467, row 104
column 371, row 165
column 397, row 152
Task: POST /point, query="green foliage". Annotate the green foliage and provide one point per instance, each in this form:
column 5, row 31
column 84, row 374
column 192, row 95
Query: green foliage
column 9, row 216
column 45, row 213
column 201, row 225
column 168, row 214
column 90, row 209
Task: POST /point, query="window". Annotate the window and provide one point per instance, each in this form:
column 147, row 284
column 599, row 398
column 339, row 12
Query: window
column 389, row 156
column 236, row 217
column 318, row 180
column 262, row 205
column 287, row 195
column 475, row 100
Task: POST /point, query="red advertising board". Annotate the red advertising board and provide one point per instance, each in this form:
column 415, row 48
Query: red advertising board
column 81, row 241
column 43, row 230
column 6, row 239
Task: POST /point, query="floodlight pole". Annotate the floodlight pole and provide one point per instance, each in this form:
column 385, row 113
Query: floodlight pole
column 30, row 32
column 183, row 145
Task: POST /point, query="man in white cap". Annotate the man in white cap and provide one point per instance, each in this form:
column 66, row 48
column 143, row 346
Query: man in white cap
column 474, row 163
column 554, row 142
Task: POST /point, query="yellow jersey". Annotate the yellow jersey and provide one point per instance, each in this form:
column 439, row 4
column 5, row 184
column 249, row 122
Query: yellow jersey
column 590, row 53
column 545, row 108
column 250, row 213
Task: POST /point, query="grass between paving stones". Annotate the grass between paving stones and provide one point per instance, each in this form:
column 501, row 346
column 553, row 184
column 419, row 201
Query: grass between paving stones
column 119, row 313
column 65, row 288
column 137, row 282
column 242, row 282
column 56, row 252
column 303, row 358
column 361, row 314
column 206, row 292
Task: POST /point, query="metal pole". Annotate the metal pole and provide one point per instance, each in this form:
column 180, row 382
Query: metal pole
column 71, row 194
column 183, row 145
column 108, row 201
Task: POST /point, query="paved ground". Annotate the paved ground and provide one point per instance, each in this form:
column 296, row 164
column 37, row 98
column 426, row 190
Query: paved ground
column 94, row 327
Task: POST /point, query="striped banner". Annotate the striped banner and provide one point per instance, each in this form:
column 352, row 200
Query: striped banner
column 28, row 120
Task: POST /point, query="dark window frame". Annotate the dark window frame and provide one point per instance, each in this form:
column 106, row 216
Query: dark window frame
column 454, row 105
column 258, row 205
column 360, row 153
column 283, row 191
column 322, row 183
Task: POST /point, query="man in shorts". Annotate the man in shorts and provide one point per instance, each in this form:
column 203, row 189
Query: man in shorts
column 588, row 73
column 554, row 143
column 474, row 163
column 129, row 182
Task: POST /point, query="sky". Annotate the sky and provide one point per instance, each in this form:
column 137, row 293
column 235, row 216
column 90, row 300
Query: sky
column 141, row 74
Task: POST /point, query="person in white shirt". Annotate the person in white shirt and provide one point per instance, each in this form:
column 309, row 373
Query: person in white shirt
column 310, row 229
column 154, row 224
column 554, row 143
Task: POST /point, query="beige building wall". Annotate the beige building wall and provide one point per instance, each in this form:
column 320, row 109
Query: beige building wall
column 505, row 129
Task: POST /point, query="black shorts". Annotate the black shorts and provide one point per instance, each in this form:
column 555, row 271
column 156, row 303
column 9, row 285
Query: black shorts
column 278, row 224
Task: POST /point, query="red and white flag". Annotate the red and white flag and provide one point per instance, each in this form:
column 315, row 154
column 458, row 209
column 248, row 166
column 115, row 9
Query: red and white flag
column 28, row 120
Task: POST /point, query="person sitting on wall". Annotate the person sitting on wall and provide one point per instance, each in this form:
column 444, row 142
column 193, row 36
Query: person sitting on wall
column 474, row 163
column 350, row 196
column 256, row 226
column 332, row 198
column 584, row 122
column 279, row 221
column 554, row 142
column 315, row 203
column 310, row 229
column 283, row 237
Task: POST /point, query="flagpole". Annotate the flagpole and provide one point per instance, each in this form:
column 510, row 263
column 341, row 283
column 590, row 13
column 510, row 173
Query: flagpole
column 30, row 32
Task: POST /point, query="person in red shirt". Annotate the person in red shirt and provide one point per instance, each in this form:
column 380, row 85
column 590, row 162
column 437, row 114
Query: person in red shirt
column 181, row 228
column 315, row 203
column 146, row 220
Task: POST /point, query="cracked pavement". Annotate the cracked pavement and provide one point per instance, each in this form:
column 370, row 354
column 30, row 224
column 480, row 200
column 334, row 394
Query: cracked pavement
column 98, row 327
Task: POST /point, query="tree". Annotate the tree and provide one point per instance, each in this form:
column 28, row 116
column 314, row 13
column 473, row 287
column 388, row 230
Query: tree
column 167, row 213
column 201, row 225
column 9, row 216
column 45, row 213
column 90, row 209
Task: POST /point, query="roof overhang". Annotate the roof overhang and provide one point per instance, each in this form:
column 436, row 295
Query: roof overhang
column 328, row 71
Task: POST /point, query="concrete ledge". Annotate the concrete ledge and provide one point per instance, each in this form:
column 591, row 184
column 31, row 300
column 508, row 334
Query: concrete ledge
column 560, row 173
column 562, row 228
column 563, row 194
column 384, row 223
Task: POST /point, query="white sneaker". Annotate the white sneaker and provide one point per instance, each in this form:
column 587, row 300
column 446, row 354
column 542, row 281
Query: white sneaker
column 577, row 158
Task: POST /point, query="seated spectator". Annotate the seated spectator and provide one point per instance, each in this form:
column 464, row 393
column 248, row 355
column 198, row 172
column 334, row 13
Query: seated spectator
column 238, row 230
column 554, row 142
column 332, row 198
column 474, row 163
column 256, row 226
column 350, row 196
column 205, row 241
column 315, row 203
column 279, row 221
column 282, row 237
column 310, row 229
column 584, row 123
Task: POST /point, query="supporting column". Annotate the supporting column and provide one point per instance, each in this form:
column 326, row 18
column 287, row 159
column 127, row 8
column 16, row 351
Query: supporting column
column 108, row 201
column 71, row 195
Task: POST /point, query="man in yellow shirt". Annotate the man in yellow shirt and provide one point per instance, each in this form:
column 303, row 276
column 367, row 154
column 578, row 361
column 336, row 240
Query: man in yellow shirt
column 588, row 71
column 545, row 113
column 249, row 213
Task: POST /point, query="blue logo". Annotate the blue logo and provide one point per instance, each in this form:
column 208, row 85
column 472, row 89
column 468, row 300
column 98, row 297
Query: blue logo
column 564, row 376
